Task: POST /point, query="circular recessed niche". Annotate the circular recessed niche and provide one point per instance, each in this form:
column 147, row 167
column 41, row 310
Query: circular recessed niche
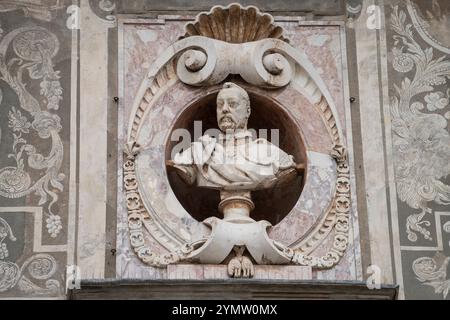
column 270, row 204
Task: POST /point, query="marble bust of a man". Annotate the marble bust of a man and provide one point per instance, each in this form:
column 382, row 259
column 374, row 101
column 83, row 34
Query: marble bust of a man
column 234, row 161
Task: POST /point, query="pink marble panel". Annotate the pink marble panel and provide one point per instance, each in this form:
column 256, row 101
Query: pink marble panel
column 322, row 46
column 315, row 199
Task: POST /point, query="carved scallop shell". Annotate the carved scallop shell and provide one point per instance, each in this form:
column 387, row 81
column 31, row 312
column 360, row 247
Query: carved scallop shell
column 235, row 24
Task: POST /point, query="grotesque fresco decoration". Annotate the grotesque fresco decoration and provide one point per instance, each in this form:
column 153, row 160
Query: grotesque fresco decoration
column 421, row 139
column 415, row 185
column 32, row 180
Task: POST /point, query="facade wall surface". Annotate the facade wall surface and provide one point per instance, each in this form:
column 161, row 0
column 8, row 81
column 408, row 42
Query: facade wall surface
column 69, row 69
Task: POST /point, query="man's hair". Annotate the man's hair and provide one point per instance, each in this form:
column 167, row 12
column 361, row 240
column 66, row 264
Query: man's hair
column 243, row 94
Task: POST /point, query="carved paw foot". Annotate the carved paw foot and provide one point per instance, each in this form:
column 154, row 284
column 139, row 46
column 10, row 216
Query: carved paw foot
column 248, row 270
column 240, row 266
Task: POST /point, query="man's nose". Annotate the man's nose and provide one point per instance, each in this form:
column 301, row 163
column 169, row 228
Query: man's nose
column 226, row 108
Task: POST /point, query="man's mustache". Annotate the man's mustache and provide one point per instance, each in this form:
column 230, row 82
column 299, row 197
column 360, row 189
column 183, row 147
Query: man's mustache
column 228, row 117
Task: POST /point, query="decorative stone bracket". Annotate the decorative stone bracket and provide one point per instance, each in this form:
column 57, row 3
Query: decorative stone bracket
column 210, row 61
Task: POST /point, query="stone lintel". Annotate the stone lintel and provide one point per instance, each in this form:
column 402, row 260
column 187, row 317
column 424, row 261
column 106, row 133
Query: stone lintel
column 229, row 289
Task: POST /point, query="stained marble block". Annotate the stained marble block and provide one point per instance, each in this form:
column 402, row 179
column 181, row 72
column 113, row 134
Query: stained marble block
column 219, row 272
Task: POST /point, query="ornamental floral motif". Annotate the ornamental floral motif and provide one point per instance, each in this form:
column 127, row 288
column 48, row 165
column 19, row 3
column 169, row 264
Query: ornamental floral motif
column 421, row 141
column 436, row 100
column 17, row 122
column 14, row 180
column 40, row 267
column 53, row 91
column 34, row 44
column 401, row 62
column 45, row 123
column 4, row 253
column 54, row 225
column 8, row 274
column 433, row 272
column 34, row 48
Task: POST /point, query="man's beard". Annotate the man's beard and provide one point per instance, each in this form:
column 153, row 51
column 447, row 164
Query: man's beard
column 227, row 123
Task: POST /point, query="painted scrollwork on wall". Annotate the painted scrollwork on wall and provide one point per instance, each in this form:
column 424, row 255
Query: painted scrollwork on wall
column 431, row 23
column 33, row 48
column 433, row 272
column 104, row 9
column 36, row 269
column 5, row 232
column 353, row 8
column 39, row 9
column 419, row 122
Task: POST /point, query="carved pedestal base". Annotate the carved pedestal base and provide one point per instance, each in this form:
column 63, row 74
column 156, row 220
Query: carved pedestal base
column 226, row 236
column 236, row 206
